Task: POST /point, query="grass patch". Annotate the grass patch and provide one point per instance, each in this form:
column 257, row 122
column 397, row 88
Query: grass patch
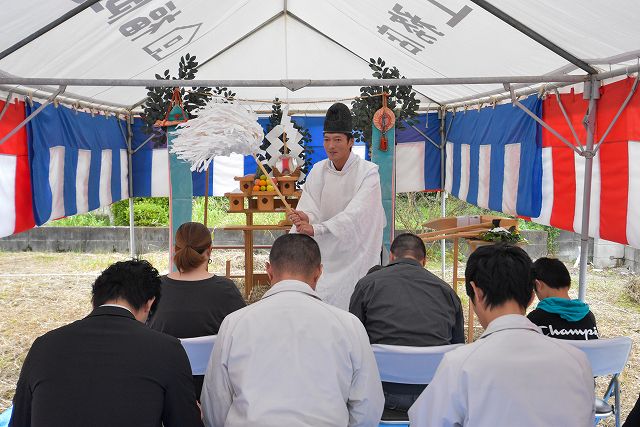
column 632, row 289
column 82, row 220
column 628, row 302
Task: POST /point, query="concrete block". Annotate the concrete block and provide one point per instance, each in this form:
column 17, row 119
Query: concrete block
column 537, row 243
column 632, row 258
column 569, row 246
column 607, row 254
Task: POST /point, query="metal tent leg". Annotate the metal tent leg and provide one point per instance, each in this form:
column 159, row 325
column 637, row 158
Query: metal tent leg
column 593, row 94
column 132, row 236
column 443, row 193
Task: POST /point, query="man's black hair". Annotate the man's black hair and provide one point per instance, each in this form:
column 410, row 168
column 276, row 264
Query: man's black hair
column 408, row 244
column 295, row 253
column 135, row 281
column 553, row 272
column 503, row 272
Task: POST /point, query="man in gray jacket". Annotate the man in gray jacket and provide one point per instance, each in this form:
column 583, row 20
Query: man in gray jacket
column 405, row 304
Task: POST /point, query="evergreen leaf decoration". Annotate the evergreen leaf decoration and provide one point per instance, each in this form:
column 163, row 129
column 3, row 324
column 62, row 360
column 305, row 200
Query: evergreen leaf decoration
column 274, row 119
column 402, row 100
column 501, row 234
column 159, row 98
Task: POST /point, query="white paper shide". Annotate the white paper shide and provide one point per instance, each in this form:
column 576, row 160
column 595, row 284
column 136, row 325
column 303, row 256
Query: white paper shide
column 219, row 130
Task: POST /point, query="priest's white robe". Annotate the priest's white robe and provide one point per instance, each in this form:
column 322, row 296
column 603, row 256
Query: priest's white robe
column 345, row 210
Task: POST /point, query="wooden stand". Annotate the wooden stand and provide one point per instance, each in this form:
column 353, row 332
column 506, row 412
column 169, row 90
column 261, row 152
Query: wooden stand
column 249, row 202
column 450, row 228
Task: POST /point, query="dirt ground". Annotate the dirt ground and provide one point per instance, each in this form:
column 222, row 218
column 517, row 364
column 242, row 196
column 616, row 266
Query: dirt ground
column 42, row 291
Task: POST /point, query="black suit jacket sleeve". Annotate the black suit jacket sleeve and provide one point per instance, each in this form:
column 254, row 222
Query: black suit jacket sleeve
column 357, row 303
column 180, row 407
column 457, row 335
column 21, row 415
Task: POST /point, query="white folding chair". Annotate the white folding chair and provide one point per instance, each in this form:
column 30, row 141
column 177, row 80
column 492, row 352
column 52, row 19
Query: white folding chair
column 408, row 365
column 607, row 357
column 199, row 351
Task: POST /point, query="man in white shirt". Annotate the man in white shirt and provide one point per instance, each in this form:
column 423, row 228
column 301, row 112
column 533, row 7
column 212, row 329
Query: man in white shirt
column 341, row 208
column 513, row 375
column 291, row 359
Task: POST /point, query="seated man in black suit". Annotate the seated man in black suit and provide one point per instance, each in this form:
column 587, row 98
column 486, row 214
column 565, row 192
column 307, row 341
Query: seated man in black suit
column 405, row 304
column 109, row 369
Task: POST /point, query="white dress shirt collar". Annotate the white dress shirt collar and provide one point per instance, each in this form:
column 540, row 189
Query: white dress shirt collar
column 289, row 286
column 510, row 321
column 118, row 305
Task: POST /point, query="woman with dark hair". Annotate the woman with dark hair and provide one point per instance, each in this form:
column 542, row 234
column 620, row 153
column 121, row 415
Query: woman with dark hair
column 194, row 302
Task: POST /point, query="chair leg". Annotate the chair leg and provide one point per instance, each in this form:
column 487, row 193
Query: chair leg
column 616, row 391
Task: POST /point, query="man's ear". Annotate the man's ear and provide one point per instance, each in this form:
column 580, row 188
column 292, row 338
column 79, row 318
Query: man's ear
column 318, row 274
column 477, row 292
column 533, row 296
column 269, row 270
column 149, row 304
column 392, row 257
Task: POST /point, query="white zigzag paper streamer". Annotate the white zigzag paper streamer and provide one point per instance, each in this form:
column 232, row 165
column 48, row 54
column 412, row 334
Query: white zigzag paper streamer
column 219, row 130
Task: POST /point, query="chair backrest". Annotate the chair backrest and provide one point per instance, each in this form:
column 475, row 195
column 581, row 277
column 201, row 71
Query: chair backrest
column 607, row 356
column 199, row 351
column 409, row 365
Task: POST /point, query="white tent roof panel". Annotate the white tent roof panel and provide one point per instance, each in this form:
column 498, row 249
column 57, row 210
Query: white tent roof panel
column 300, row 39
column 21, row 18
column 588, row 28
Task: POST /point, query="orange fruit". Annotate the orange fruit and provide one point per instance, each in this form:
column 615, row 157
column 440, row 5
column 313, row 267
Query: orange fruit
column 256, row 188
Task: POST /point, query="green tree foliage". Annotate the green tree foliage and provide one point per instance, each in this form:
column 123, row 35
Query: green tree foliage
column 159, row 98
column 147, row 211
column 402, row 101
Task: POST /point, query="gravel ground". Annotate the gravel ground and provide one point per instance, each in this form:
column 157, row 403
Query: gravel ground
column 42, row 291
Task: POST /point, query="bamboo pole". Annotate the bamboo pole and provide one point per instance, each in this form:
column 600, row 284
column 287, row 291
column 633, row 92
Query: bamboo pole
column 466, row 235
column 206, row 195
column 483, row 225
column 275, row 187
column 455, row 266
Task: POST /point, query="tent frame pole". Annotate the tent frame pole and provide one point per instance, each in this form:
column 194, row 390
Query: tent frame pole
column 443, row 193
column 597, row 146
column 6, row 105
column 508, row 19
column 70, row 14
column 593, row 93
column 132, row 235
column 295, row 84
column 566, row 117
column 425, row 136
column 32, row 115
column 542, row 123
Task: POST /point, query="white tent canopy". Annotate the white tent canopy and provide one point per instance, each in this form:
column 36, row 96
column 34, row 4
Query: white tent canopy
column 321, row 40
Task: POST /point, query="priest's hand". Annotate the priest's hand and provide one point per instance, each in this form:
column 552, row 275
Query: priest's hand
column 298, row 217
column 305, row 228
